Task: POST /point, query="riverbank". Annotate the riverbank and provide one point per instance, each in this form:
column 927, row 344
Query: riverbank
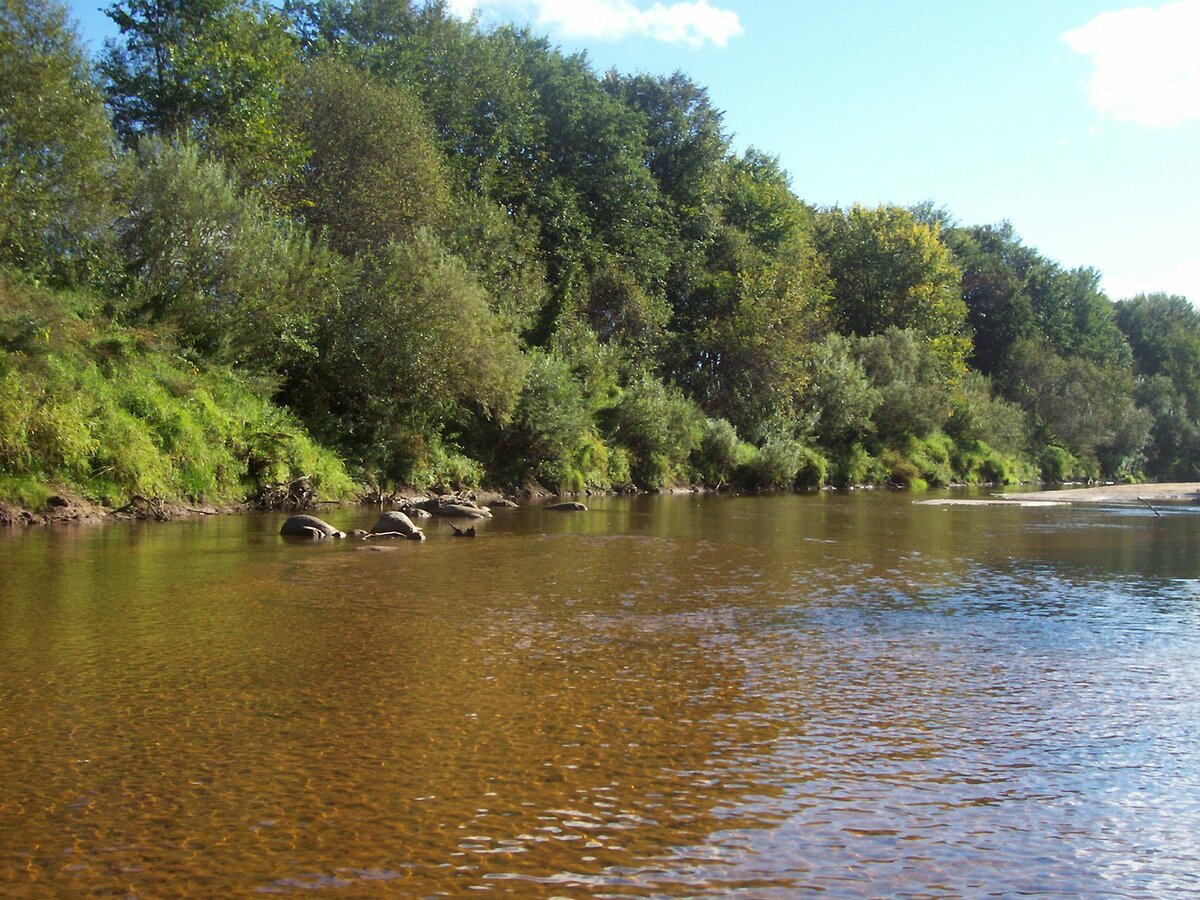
column 69, row 509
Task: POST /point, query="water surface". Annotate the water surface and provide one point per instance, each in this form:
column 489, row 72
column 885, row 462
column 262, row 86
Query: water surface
column 663, row 696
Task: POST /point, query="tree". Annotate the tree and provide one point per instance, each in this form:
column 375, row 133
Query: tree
column 209, row 71
column 996, row 274
column 1164, row 336
column 1080, row 405
column 891, row 271
column 758, row 200
column 374, row 175
column 56, row 148
column 619, row 312
column 914, row 382
column 236, row 281
column 598, row 202
column 749, row 360
column 412, row 349
column 839, row 397
column 660, row 427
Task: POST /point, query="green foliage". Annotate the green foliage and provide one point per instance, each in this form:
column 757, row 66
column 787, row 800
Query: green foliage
column 1059, row 465
column 856, row 466
column 238, row 283
column 412, row 347
column 659, row 427
column 1163, row 332
column 56, row 147
column 783, row 462
column 85, row 409
column 619, row 312
column 748, row 362
column 891, row 271
column 840, row 396
column 913, row 380
column 1081, row 406
column 978, row 415
column 759, row 202
column 501, row 250
column 460, row 255
column 1173, row 452
column 597, row 200
column 552, row 426
column 374, row 176
column 997, row 274
column 209, row 71
column 722, row 456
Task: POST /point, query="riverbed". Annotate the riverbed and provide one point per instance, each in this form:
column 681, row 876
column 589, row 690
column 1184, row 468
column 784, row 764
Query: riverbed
column 758, row 696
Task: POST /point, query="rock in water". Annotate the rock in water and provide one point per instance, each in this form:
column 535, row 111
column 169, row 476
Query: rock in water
column 396, row 522
column 309, row 527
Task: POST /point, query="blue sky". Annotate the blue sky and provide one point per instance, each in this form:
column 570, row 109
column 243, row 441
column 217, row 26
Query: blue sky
column 1076, row 120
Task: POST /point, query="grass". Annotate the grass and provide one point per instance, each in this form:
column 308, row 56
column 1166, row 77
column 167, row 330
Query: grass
column 110, row 412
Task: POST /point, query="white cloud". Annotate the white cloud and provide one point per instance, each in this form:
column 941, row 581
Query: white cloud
column 1147, row 63
column 692, row 22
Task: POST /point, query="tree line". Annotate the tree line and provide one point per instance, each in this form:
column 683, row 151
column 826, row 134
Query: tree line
column 366, row 241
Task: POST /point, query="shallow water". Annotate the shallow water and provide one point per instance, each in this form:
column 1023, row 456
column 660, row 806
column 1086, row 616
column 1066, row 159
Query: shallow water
column 662, row 696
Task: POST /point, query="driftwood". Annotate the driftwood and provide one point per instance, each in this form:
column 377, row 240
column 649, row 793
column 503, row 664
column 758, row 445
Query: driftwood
column 145, row 508
column 462, row 532
column 286, row 495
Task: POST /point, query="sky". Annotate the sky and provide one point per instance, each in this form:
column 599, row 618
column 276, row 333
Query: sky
column 1078, row 121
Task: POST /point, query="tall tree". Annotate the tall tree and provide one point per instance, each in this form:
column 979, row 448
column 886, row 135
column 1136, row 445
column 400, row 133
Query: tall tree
column 374, row 175
column 236, row 281
column 889, row 270
column 1164, row 335
column 56, row 147
column 211, row 71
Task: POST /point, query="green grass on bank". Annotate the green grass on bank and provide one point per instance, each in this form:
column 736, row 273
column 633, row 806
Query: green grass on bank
column 110, row 412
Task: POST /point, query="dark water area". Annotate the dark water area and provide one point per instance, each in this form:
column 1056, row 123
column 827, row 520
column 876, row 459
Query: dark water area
column 692, row 696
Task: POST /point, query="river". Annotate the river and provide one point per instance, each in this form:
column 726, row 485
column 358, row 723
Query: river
column 760, row 696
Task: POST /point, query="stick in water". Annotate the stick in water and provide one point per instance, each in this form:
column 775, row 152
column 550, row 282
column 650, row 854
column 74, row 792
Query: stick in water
column 1152, row 509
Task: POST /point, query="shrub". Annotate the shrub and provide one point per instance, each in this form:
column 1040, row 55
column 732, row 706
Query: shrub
column 856, row 466
column 722, row 455
column 776, row 464
column 659, row 427
column 1058, row 464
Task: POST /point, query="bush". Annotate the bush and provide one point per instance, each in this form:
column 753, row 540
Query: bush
column 901, row 471
column 776, row 464
column 931, row 456
column 722, row 456
column 855, row 466
column 1059, row 465
column 659, row 427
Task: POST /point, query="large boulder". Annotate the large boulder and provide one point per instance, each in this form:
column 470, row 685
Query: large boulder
column 309, row 527
column 568, row 506
column 395, row 522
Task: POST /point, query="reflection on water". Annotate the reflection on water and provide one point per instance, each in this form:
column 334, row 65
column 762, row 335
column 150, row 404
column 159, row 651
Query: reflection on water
column 774, row 695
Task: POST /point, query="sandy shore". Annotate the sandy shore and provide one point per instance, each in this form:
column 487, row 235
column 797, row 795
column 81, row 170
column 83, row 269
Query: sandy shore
column 1184, row 491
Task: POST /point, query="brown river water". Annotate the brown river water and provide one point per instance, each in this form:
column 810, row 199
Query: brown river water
column 676, row 696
